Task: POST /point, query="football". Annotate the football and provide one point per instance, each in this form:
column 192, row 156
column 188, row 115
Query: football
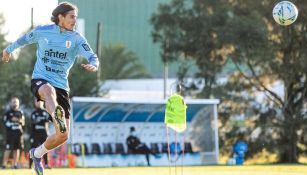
column 285, row 13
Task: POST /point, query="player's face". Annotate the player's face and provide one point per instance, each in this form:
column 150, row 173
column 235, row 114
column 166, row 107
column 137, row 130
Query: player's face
column 14, row 103
column 69, row 20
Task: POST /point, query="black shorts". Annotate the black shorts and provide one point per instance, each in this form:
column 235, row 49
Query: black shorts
column 14, row 141
column 39, row 138
column 61, row 94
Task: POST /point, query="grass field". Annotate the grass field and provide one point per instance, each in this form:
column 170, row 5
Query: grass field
column 199, row 170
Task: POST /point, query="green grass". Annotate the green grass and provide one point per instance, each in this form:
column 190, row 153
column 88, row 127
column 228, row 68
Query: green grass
column 197, row 170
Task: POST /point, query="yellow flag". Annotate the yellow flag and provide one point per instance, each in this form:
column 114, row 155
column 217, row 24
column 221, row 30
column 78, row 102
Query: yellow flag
column 175, row 113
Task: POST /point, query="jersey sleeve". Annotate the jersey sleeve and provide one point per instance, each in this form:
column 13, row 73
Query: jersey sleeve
column 84, row 49
column 6, row 120
column 6, row 117
column 28, row 38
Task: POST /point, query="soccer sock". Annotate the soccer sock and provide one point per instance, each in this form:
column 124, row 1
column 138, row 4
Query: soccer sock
column 40, row 151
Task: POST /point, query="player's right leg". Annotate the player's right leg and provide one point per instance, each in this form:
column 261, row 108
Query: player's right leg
column 16, row 155
column 17, row 146
column 5, row 158
column 45, row 92
column 8, row 148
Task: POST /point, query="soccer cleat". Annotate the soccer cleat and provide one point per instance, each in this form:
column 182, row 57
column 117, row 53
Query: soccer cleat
column 60, row 119
column 37, row 163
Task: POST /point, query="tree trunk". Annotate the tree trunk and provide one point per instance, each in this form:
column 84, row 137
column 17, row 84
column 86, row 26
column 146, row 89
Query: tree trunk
column 289, row 141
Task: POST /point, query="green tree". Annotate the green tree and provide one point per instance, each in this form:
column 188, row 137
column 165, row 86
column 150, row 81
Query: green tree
column 15, row 75
column 2, row 65
column 116, row 63
column 213, row 31
column 120, row 63
column 3, row 100
column 272, row 54
column 185, row 29
column 21, row 75
column 82, row 82
column 18, row 71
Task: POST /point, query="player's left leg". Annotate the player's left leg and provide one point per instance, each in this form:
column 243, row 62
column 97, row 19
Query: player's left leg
column 8, row 148
column 16, row 156
column 18, row 145
column 5, row 158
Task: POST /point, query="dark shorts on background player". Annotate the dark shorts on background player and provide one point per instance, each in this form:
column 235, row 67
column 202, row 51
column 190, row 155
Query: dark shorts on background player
column 14, row 141
column 39, row 138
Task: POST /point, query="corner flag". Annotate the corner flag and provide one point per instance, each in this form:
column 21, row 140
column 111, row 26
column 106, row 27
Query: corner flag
column 175, row 113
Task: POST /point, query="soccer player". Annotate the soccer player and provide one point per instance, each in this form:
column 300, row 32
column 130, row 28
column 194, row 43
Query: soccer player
column 14, row 121
column 57, row 47
column 39, row 129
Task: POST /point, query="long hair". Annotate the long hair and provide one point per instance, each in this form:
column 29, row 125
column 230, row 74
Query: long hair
column 62, row 9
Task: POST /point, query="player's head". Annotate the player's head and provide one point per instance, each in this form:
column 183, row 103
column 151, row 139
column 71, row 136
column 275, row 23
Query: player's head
column 14, row 103
column 38, row 104
column 65, row 15
column 132, row 129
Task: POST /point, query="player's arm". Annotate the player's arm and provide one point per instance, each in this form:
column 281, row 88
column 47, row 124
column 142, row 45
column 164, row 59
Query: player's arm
column 28, row 38
column 85, row 50
column 47, row 128
column 6, row 121
column 23, row 121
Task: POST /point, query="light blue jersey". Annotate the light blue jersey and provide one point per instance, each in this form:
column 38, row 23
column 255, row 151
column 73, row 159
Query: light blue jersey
column 56, row 53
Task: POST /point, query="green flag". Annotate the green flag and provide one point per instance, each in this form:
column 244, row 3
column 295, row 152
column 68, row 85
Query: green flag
column 175, row 113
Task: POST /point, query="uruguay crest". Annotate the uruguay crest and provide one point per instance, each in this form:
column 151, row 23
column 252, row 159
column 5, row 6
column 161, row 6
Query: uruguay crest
column 68, row 44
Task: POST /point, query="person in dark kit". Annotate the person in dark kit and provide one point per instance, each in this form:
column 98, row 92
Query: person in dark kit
column 39, row 129
column 135, row 146
column 14, row 121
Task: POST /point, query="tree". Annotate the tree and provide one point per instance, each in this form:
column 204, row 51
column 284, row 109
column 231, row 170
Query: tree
column 184, row 28
column 120, row 63
column 116, row 63
column 213, row 31
column 275, row 55
column 6, row 86
column 82, row 82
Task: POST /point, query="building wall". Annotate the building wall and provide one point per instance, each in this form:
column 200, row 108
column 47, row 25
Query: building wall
column 126, row 22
